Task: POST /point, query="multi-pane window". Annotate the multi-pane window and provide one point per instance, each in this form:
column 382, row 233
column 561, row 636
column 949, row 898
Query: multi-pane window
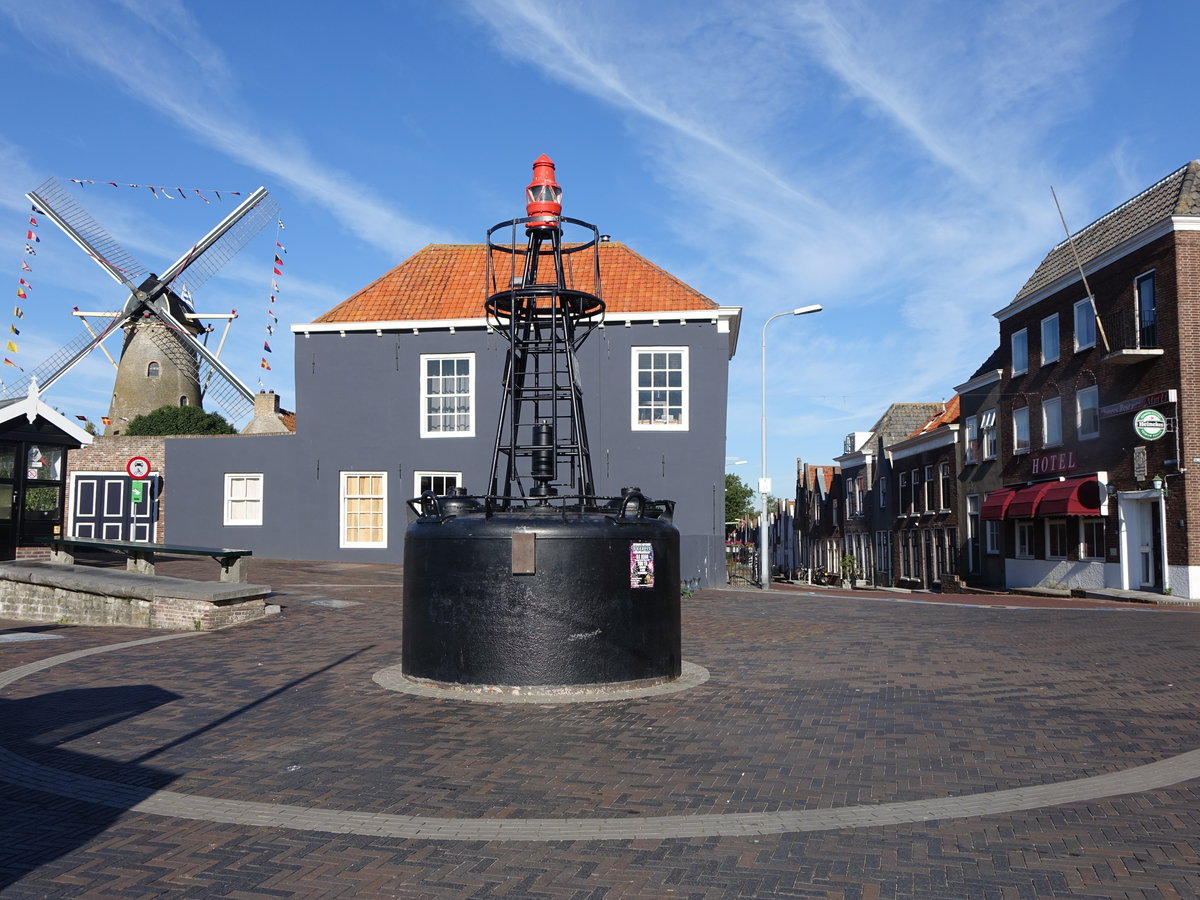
column 973, row 506
column 1020, row 418
column 1023, row 530
column 902, row 494
column 1050, row 339
column 660, row 388
column 927, row 490
column 1056, row 538
column 944, row 499
column 1091, row 539
column 447, row 395
column 364, row 509
column 1087, row 412
column 992, row 536
column 1020, row 352
column 441, row 483
column 1085, row 325
column 987, row 427
column 972, row 449
column 882, row 487
column 1051, row 421
column 914, row 480
column 243, row 499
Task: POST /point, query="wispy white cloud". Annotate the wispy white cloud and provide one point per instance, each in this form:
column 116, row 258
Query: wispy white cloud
column 203, row 100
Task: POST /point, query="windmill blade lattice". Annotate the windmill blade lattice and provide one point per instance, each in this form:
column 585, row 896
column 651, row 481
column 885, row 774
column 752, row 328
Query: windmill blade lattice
column 47, row 371
column 200, row 263
column 56, row 201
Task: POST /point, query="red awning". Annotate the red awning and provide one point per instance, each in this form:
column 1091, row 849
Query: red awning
column 1025, row 504
column 1073, row 497
column 997, row 502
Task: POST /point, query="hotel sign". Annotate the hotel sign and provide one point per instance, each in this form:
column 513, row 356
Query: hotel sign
column 1049, row 463
column 1137, row 403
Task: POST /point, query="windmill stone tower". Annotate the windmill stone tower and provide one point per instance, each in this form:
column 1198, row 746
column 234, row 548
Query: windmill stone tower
column 159, row 367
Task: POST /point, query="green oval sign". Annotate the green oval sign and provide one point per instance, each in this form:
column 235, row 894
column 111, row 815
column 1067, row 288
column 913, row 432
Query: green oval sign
column 1150, row 424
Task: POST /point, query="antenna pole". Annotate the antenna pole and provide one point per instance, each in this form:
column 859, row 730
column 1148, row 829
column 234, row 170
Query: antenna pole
column 1079, row 265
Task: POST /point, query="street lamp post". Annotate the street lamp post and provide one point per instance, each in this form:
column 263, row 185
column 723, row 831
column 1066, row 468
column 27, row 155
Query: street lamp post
column 764, row 483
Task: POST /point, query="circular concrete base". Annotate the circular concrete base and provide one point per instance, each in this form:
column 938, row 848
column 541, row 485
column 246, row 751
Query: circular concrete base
column 393, row 679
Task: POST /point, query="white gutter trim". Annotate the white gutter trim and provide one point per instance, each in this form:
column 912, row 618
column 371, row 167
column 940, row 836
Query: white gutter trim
column 989, row 377
column 942, row 436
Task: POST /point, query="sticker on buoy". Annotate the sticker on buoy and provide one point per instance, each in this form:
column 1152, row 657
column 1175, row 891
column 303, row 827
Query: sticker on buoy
column 641, row 564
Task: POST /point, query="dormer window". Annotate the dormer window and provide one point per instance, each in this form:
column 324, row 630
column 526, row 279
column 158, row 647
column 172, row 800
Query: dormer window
column 151, row 369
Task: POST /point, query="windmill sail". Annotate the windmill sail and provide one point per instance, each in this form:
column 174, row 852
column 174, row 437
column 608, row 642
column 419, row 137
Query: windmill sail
column 62, row 209
column 60, row 362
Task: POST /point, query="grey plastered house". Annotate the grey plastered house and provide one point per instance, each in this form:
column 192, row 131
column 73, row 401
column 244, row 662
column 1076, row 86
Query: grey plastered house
column 398, row 390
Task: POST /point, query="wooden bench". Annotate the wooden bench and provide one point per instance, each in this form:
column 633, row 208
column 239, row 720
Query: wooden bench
column 140, row 556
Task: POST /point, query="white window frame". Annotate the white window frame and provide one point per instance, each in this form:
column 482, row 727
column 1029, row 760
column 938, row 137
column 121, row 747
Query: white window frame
column 248, row 503
column 1083, row 524
column 1052, row 416
column 417, row 476
column 1053, row 344
column 427, row 358
column 991, row 536
column 972, row 448
column 944, row 486
column 1019, row 357
column 1023, row 531
column 1056, row 523
column 685, row 416
column 927, row 489
column 989, row 440
column 1020, row 422
column 1094, row 393
column 1085, row 321
column 344, row 497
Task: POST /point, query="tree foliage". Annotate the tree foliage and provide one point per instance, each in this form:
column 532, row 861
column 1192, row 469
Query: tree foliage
column 737, row 498
column 179, row 420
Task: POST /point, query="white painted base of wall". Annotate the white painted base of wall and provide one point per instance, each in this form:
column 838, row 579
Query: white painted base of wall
column 1062, row 574
column 1185, row 582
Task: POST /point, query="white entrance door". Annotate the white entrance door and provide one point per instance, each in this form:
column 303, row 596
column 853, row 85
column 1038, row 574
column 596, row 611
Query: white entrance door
column 1147, row 520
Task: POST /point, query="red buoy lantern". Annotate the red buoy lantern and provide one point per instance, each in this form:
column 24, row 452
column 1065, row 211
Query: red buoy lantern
column 543, row 196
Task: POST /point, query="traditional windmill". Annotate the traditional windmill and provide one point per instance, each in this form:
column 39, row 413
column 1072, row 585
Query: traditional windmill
column 163, row 360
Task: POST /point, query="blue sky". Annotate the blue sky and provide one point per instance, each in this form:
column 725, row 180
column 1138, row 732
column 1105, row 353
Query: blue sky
column 891, row 162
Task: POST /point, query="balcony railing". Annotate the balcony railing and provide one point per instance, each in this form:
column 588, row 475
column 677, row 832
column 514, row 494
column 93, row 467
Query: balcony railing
column 1131, row 337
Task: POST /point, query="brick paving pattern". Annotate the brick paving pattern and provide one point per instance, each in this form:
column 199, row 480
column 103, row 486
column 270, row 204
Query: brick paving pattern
column 939, row 750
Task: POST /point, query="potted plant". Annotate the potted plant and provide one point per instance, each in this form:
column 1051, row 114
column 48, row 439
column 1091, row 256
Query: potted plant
column 849, row 570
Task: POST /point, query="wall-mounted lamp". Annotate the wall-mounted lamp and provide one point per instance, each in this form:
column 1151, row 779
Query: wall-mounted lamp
column 1160, row 484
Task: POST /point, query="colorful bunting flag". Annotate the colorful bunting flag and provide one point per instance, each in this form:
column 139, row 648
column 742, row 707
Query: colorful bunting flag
column 277, row 272
column 84, row 418
column 267, row 347
column 25, row 284
column 105, row 420
column 21, row 293
column 11, row 347
column 281, row 225
column 278, row 262
column 25, row 266
column 13, row 328
column 31, row 235
column 18, row 312
column 30, row 250
column 264, row 364
column 33, row 221
column 9, row 362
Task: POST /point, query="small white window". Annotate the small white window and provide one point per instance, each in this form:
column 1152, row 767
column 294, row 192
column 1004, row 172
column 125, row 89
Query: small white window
column 1087, row 412
column 1056, row 539
column 243, row 499
column 364, row 509
column 441, row 483
column 660, row 389
column 1091, row 539
column 991, row 531
column 972, row 449
column 1052, row 422
column 1020, row 419
column 448, row 395
column 987, row 425
column 1085, row 325
column 1050, row 339
column 1020, row 352
column 1024, row 534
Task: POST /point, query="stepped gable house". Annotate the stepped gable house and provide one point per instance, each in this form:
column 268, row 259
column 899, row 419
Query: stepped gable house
column 398, row 391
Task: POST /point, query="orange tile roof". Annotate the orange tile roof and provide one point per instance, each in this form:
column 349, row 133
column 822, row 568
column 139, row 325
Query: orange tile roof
column 948, row 415
column 446, row 281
